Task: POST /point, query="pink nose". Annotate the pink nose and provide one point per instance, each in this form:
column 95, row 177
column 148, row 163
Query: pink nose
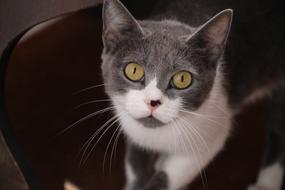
column 153, row 104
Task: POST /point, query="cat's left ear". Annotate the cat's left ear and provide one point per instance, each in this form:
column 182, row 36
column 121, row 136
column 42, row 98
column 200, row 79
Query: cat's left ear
column 212, row 36
column 118, row 23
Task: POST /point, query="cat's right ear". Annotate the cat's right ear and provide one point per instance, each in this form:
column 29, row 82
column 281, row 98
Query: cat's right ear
column 118, row 23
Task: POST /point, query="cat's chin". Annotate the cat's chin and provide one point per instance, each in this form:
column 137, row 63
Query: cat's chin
column 150, row 122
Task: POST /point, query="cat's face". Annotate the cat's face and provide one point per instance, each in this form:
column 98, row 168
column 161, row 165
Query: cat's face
column 154, row 71
column 164, row 62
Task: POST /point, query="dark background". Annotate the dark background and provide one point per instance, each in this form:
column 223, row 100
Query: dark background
column 62, row 57
column 17, row 15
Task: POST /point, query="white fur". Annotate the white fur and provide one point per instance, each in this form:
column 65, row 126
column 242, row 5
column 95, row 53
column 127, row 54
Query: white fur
column 211, row 121
column 131, row 177
column 190, row 140
column 270, row 178
column 152, row 92
column 135, row 104
column 180, row 170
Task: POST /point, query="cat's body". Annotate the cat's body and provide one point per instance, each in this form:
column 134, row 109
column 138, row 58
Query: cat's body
column 187, row 127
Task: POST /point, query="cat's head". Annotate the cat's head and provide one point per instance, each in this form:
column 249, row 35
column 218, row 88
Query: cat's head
column 155, row 69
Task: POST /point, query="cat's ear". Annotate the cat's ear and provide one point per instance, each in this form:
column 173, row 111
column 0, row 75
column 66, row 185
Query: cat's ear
column 118, row 23
column 213, row 35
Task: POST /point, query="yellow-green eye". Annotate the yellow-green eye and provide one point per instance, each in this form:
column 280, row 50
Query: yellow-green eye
column 134, row 72
column 182, row 80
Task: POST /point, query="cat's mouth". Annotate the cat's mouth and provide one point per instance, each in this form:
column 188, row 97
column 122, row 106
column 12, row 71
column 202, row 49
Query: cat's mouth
column 150, row 122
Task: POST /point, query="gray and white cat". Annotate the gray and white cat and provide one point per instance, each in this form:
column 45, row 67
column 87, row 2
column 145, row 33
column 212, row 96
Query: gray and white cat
column 175, row 94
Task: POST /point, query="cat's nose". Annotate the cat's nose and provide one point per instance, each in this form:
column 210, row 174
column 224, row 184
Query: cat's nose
column 155, row 103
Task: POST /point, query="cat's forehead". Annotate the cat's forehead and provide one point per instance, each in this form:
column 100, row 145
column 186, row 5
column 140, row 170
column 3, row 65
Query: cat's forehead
column 165, row 40
column 161, row 50
column 167, row 28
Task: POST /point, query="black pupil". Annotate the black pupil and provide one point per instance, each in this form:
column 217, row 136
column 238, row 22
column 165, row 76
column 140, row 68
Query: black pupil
column 135, row 70
column 182, row 78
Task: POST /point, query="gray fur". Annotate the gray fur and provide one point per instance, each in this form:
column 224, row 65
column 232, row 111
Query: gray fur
column 142, row 164
column 164, row 45
column 157, row 182
column 163, row 50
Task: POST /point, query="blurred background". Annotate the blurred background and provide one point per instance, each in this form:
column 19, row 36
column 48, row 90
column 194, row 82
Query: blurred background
column 16, row 16
column 49, row 74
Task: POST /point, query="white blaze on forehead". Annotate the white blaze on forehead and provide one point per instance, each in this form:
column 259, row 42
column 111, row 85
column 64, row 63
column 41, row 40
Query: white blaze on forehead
column 152, row 92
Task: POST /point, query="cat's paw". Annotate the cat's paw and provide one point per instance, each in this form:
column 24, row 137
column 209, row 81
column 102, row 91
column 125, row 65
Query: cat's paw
column 257, row 187
column 69, row 186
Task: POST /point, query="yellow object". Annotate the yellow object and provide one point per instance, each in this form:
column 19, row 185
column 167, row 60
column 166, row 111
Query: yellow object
column 182, row 79
column 134, row 72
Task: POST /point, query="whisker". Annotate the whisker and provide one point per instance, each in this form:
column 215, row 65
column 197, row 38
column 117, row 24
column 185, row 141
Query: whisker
column 202, row 116
column 85, row 118
column 175, row 139
column 197, row 133
column 187, row 130
column 88, row 142
column 107, row 148
column 114, row 148
column 93, row 147
column 182, row 139
column 213, row 103
column 91, row 102
column 199, row 116
column 88, row 88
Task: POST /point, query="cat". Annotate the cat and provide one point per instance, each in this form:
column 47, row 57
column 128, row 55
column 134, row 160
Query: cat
column 176, row 81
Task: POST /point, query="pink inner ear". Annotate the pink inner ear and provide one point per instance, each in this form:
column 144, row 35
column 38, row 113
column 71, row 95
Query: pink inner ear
column 110, row 35
column 217, row 30
column 117, row 19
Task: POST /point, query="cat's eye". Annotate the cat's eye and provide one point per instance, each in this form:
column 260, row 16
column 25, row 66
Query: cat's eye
column 181, row 80
column 134, row 72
